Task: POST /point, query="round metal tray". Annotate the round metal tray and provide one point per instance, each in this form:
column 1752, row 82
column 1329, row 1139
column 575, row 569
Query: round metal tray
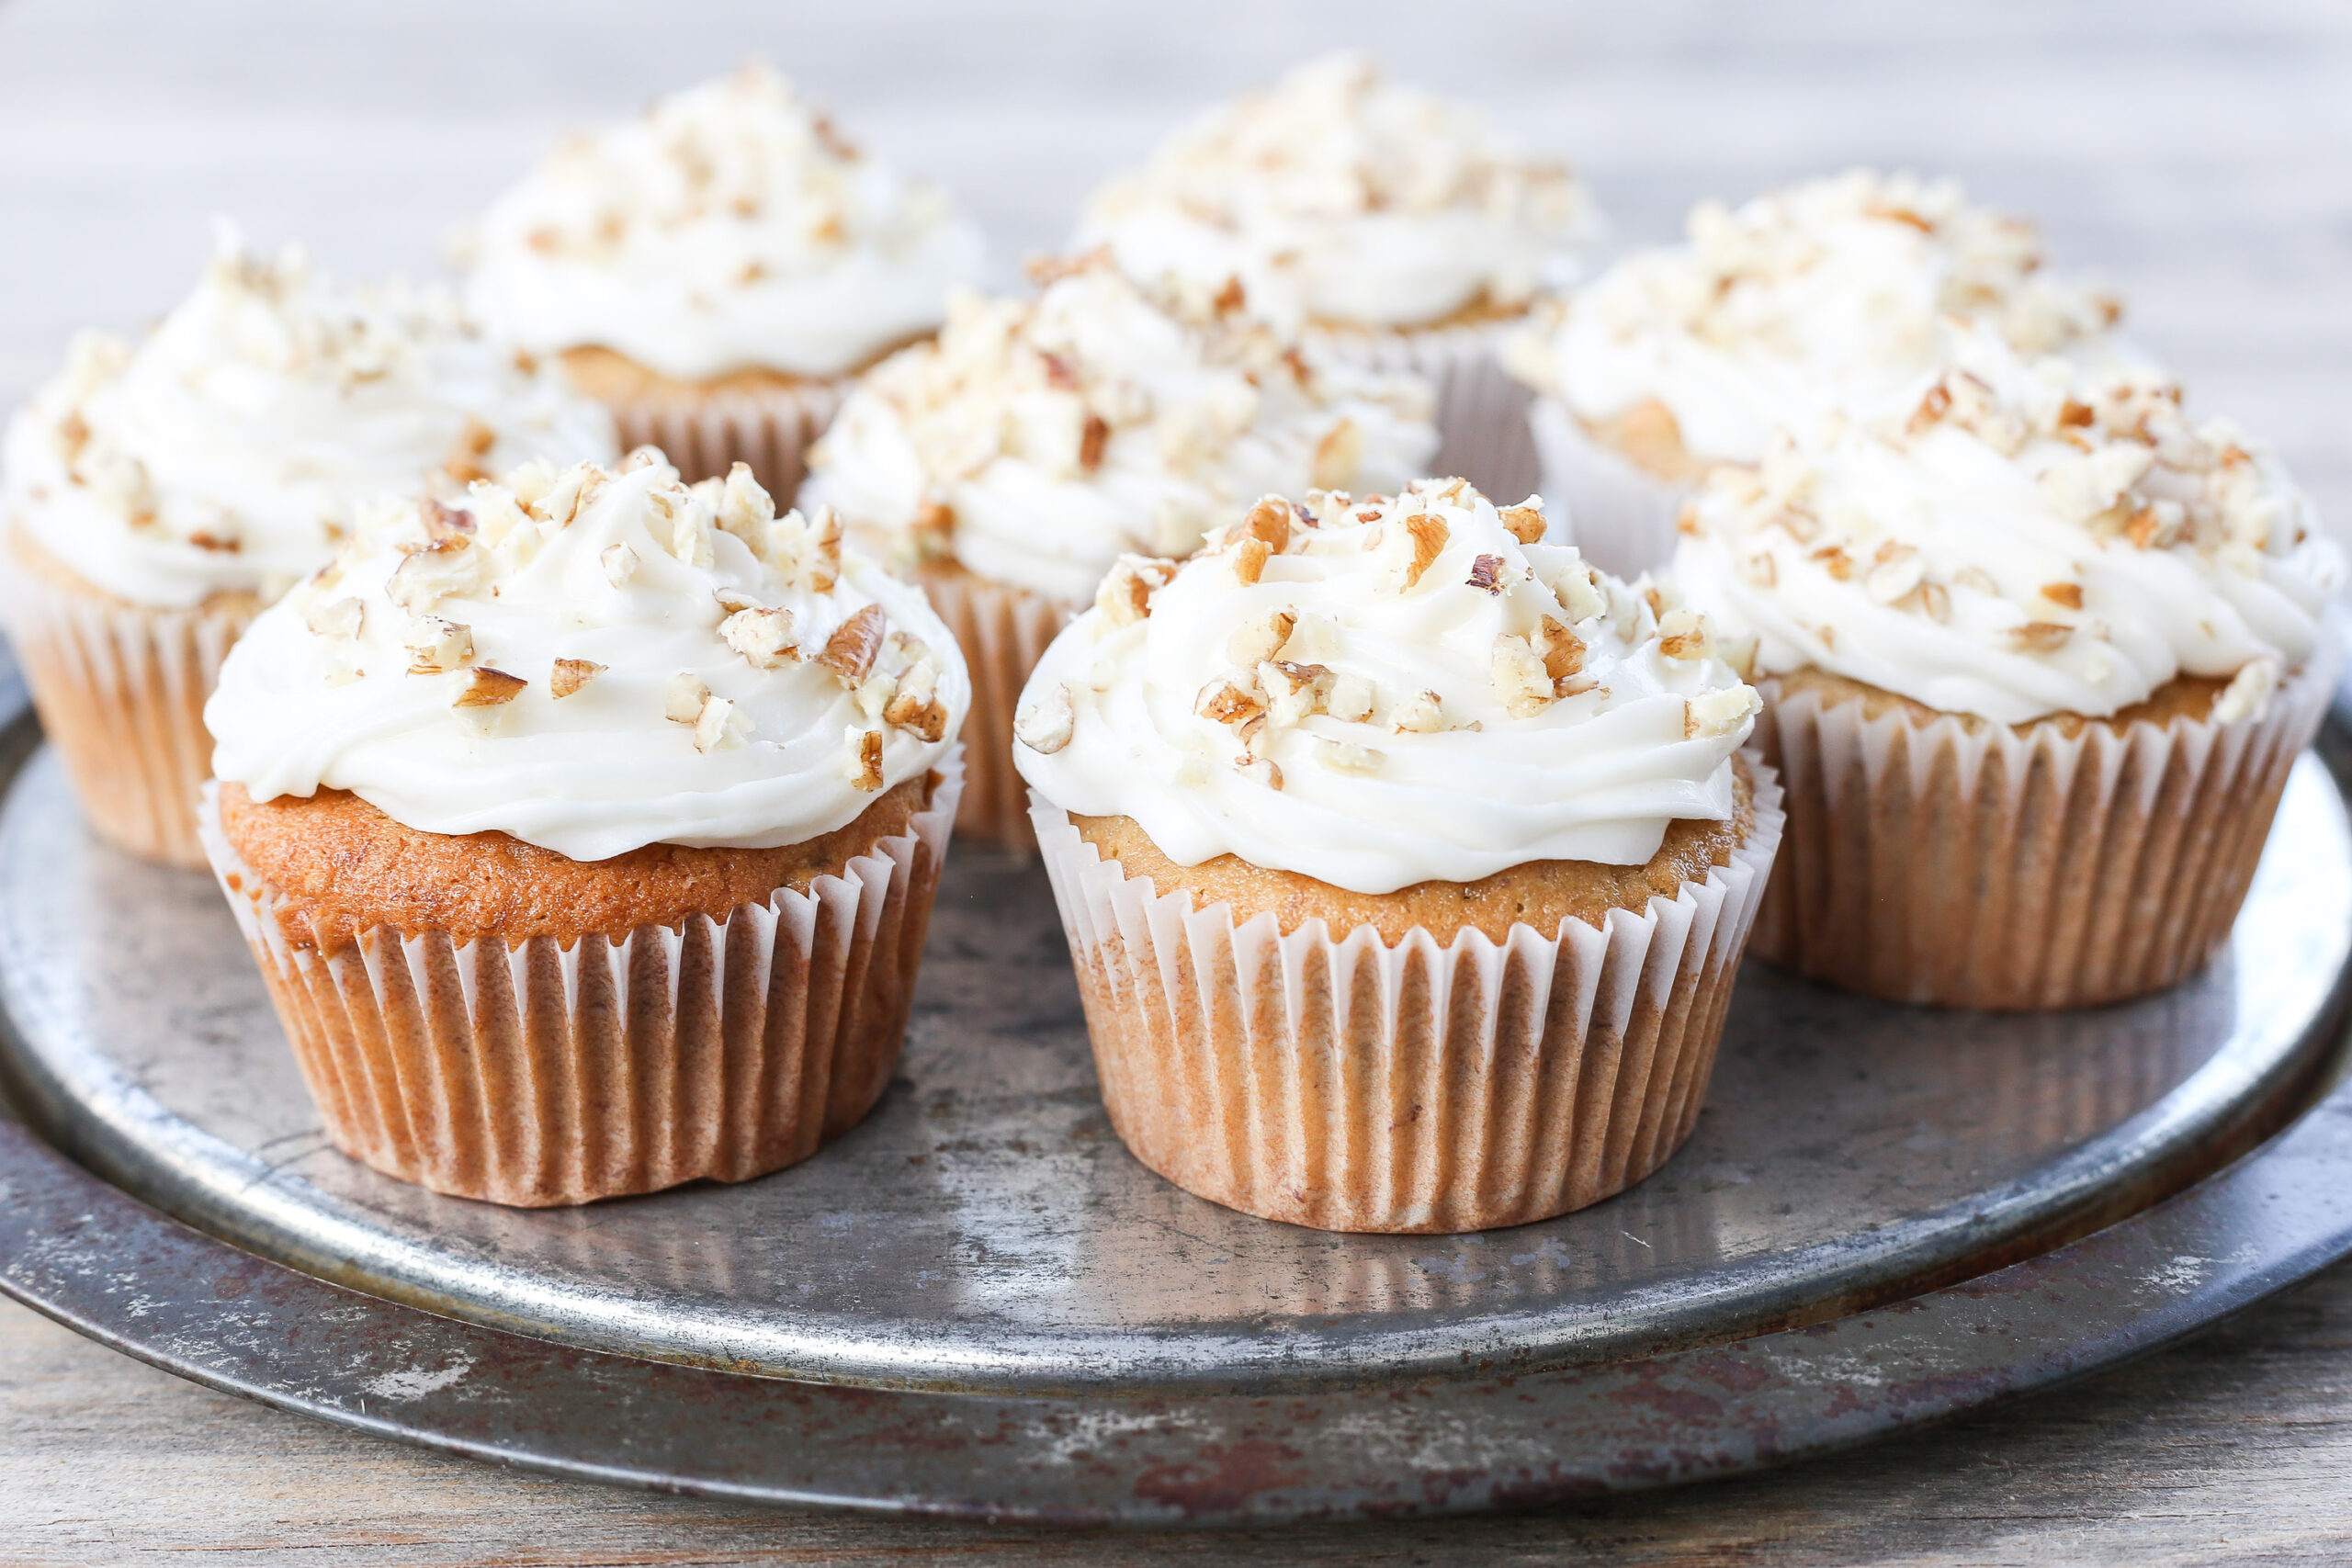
column 991, row 1311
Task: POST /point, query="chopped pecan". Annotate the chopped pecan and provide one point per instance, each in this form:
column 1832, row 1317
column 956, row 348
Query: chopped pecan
column 487, row 688
column 570, row 675
column 849, row 653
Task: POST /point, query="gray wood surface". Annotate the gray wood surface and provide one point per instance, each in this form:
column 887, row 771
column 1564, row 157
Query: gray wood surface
column 2200, row 156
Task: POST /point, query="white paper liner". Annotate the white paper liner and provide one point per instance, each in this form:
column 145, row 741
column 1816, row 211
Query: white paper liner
column 121, row 689
column 1348, row 1084
column 1481, row 410
column 770, row 428
column 1976, row 866
column 1619, row 514
column 1003, row 631
column 542, row 1075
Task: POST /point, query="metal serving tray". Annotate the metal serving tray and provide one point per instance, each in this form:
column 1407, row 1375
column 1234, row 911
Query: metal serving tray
column 976, row 1303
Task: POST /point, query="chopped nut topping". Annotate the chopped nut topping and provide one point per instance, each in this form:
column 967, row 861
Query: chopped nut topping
column 619, row 562
column 1222, row 702
column 571, row 674
column 849, row 653
column 1293, row 690
column 1759, row 571
column 1422, row 715
column 2038, row 637
column 1519, row 677
column 2248, row 693
column 1253, row 644
column 1091, row 439
column 762, row 637
column 1932, row 409
column 1719, row 712
column 1935, row 599
column 435, row 571
column 1486, row 573
column 1682, row 634
column 1350, row 700
column 1125, row 593
column 1259, row 770
column 221, row 544
column 915, row 706
column 2068, row 596
column 1412, row 550
column 1270, row 521
column 1525, row 523
column 1835, row 561
column 446, row 524
column 1893, row 577
column 343, row 618
column 1046, row 722
column 1978, row 578
column 489, row 688
column 720, row 726
column 682, row 698
column 1250, row 558
column 438, row 646
column 1561, row 650
column 865, row 767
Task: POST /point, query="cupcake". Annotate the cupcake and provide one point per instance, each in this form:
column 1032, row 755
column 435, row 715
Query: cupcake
column 1832, row 293
column 159, row 494
column 1406, row 861
column 1402, row 230
column 2036, row 656
column 716, row 270
column 586, row 833
column 1010, row 463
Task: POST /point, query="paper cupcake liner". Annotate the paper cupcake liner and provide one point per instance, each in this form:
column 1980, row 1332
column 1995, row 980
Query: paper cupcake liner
column 770, row 428
column 1974, row 866
column 1481, row 410
column 631, row 1061
column 1341, row 1083
column 120, row 689
column 1620, row 516
column 1003, row 631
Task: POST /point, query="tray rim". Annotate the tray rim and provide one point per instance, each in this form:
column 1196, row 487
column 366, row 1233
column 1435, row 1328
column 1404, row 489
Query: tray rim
column 209, row 1311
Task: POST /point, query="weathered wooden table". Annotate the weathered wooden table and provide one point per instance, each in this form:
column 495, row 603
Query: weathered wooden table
column 2199, row 156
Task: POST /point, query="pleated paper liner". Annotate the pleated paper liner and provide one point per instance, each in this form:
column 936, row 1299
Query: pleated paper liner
column 1481, row 410
column 1965, row 863
column 705, row 429
column 631, row 1061
column 120, row 689
column 1619, row 514
column 1003, row 631
column 1341, row 1083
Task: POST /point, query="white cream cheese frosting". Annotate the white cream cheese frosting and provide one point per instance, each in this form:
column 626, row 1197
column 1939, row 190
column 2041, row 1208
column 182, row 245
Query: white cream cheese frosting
column 1384, row 692
column 592, row 661
column 1038, row 440
column 225, row 451
column 1340, row 196
column 729, row 228
column 1833, row 294
column 2030, row 538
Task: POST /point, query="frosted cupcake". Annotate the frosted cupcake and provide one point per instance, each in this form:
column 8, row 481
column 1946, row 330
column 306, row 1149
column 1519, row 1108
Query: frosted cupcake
column 715, row 269
column 1833, row 294
column 1402, row 230
column 586, row 834
column 1406, row 861
column 159, row 493
column 2036, row 657
column 1038, row 440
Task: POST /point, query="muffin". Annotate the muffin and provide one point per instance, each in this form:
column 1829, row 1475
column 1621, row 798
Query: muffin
column 716, row 270
column 2036, row 656
column 1829, row 294
column 1010, row 464
column 1400, row 230
column 586, row 833
column 159, row 494
column 1405, row 860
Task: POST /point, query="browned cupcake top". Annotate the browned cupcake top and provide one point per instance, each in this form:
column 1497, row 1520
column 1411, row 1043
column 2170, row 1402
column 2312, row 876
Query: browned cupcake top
column 1541, row 895
column 342, row 866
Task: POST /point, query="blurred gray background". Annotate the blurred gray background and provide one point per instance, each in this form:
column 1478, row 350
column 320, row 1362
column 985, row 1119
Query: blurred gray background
column 2196, row 156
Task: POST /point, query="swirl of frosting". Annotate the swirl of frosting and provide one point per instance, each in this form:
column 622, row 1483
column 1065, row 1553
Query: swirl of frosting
column 593, row 661
column 226, row 451
column 1380, row 692
column 729, row 228
column 1038, row 440
column 1342, row 197
column 1827, row 295
column 2032, row 538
